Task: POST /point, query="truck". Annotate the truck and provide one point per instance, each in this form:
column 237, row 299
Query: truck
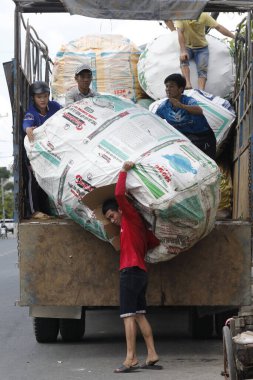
column 8, row 224
column 65, row 270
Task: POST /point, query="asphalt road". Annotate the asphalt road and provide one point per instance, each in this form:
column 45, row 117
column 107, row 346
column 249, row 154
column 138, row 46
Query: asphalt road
column 103, row 348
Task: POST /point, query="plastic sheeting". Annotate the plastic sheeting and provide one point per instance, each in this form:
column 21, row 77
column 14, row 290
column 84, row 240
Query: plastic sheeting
column 136, row 10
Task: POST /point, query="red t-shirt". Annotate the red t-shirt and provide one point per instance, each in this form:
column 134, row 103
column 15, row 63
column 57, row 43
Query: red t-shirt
column 135, row 238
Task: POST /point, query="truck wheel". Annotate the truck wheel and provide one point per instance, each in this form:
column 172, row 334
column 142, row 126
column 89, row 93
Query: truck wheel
column 230, row 370
column 220, row 320
column 46, row 329
column 72, row 330
column 201, row 327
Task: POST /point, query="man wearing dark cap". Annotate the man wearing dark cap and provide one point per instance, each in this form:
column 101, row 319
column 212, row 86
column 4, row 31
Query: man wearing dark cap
column 83, row 77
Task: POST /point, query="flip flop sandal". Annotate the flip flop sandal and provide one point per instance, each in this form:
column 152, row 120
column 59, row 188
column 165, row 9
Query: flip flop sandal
column 151, row 365
column 124, row 369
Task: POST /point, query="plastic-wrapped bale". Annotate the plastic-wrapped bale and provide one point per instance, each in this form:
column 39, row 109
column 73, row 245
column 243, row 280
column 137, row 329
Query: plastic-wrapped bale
column 79, row 151
column 161, row 58
column 145, row 102
column 112, row 58
column 218, row 112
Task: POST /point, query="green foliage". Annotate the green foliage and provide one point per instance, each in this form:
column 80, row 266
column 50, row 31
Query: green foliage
column 8, row 194
column 4, row 172
column 9, row 186
column 242, row 30
column 8, row 205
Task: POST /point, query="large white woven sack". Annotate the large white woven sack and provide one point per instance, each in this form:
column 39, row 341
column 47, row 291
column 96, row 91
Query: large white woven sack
column 112, row 58
column 82, row 148
column 161, row 58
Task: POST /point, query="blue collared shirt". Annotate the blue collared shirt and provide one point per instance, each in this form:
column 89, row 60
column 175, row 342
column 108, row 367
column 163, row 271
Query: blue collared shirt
column 33, row 118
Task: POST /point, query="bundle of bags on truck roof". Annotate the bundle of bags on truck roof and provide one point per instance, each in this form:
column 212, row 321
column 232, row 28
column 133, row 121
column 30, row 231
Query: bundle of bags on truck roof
column 112, row 58
column 77, row 155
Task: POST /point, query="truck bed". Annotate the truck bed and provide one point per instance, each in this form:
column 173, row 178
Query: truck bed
column 62, row 264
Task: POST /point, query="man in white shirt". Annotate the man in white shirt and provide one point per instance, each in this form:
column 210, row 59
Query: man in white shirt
column 83, row 77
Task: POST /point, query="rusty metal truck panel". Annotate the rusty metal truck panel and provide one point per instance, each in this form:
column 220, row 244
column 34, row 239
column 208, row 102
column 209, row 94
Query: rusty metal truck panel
column 216, row 271
column 62, row 264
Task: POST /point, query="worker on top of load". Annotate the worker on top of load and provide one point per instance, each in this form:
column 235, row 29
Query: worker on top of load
column 194, row 45
column 184, row 114
column 83, row 77
column 38, row 112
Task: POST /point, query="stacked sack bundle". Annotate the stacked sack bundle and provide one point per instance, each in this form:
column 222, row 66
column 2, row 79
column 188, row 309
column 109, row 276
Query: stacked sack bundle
column 112, row 58
column 79, row 152
column 161, row 58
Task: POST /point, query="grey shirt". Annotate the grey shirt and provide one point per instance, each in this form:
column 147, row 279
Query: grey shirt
column 74, row 95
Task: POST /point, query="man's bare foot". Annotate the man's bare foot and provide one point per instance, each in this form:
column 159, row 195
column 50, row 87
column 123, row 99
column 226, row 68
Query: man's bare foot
column 131, row 363
column 151, row 360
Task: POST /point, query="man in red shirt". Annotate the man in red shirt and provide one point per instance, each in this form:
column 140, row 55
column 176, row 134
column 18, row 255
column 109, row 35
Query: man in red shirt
column 135, row 240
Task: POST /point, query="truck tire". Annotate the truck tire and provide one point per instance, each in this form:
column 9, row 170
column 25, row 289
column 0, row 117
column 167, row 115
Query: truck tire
column 46, row 329
column 201, row 327
column 220, row 320
column 230, row 370
column 72, row 330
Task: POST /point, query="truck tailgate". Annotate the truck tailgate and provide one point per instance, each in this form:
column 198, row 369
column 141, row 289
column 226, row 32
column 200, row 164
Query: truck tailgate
column 62, row 264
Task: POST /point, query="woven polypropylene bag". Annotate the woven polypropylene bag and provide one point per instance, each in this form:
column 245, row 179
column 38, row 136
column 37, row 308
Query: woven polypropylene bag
column 83, row 146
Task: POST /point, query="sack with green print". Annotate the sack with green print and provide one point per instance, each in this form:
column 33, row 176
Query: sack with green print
column 80, row 150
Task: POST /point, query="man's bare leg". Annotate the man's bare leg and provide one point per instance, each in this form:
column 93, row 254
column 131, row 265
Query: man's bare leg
column 130, row 332
column 148, row 337
column 186, row 73
column 201, row 83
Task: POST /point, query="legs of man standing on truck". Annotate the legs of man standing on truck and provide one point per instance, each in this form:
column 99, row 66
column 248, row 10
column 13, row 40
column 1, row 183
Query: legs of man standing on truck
column 201, row 58
column 36, row 197
column 201, row 83
column 185, row 69
column 186, row 73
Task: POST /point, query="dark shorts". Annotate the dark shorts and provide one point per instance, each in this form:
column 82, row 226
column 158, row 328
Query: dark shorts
column 133, row 286
column 205, row 141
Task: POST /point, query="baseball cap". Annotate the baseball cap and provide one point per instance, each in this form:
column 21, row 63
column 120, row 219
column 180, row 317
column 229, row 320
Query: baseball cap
column 82, row 67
